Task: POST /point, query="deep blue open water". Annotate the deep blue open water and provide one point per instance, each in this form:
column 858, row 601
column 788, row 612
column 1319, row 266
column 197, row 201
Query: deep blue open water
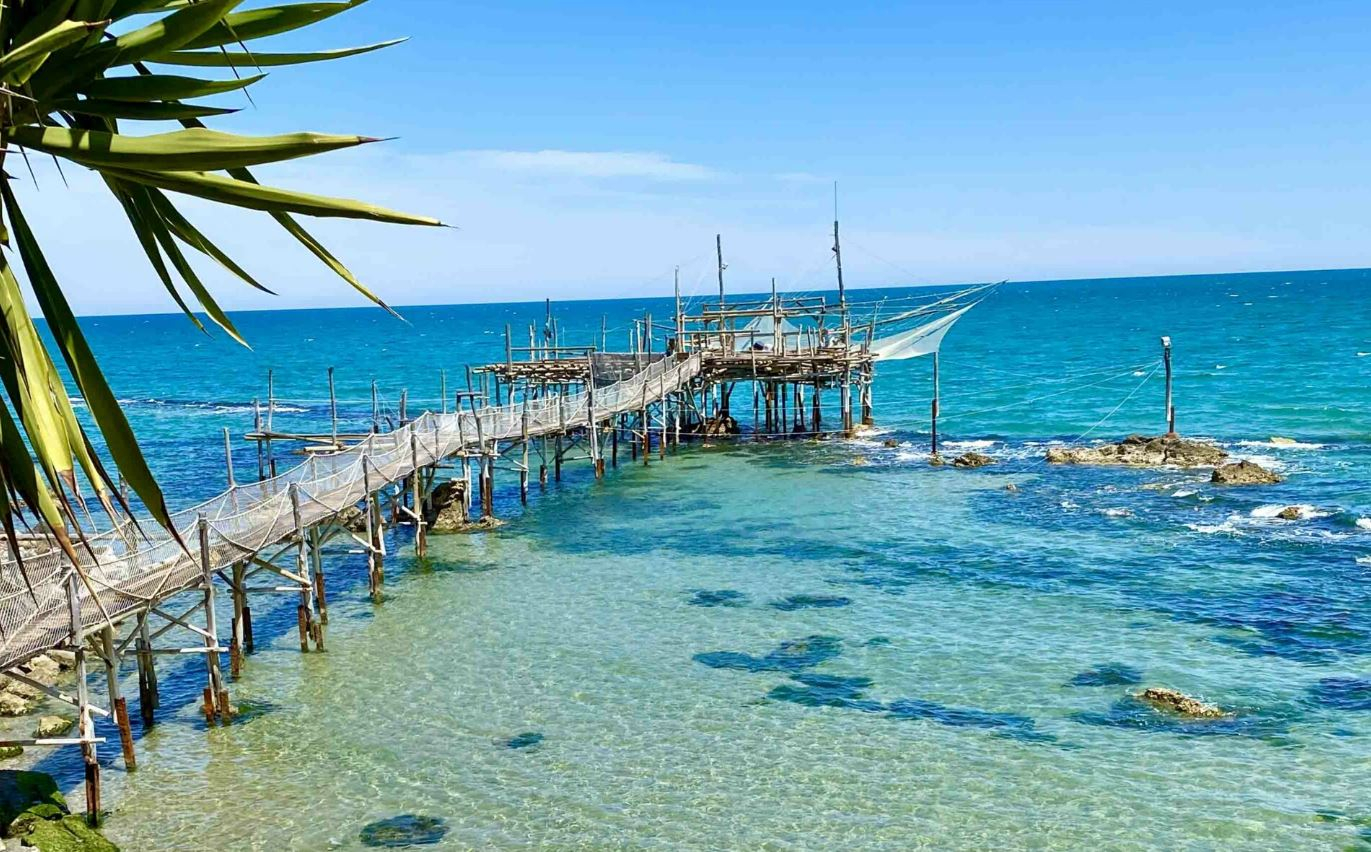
column 815, row 644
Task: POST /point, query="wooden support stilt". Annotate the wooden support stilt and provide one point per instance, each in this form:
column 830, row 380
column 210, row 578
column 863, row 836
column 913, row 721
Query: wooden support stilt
column 320, row 600
column 240, row 600
column 372, row 513
column 524, row 440
column 417, row 499
column 1170, row 408
column 217, row 696
column 304, row 612
column 85, row 721
column 614, row 425
column 147, row 673
column 118, row 705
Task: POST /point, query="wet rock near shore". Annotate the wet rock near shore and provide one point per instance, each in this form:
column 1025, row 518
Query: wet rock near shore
column 1181, row 704
column 33, row 811
column 53, row 726
column 352, row 519
column 1244, row 473
column 447, row 508
column 972, row 459
column 1142, row 451
column 18, row 698
column 404, row 830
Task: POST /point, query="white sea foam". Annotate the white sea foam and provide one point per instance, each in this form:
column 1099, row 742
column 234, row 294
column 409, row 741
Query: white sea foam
column 1117, row 512
column 1282, row 443
column 1069, row 504
column 1364, row 523
column 1184, row 492
column 1225, row 527
column 1306, row 512
column 970, row 445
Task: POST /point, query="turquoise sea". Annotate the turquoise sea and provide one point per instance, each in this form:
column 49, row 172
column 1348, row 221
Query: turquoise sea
column 812, row 644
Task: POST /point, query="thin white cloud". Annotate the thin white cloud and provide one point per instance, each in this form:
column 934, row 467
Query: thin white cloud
column 590, row 164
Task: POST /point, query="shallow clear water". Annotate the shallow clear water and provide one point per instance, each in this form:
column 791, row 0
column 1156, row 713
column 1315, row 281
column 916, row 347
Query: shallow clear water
column 654, row 628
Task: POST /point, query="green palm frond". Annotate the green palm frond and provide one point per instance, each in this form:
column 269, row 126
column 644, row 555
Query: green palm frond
column 71, row 72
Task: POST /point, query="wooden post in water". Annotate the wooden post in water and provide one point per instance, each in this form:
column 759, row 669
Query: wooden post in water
column 257, row 427
column 719, row 252
column 85, row 724
column 304, row 613
column 216, row 693
column 417, row 498
column 240, row 596
column 147, row 673
column 523, row 471
column 1170, row 408
column 375, row 569
column 271, row 412
column 320, row 600
column 118, row 704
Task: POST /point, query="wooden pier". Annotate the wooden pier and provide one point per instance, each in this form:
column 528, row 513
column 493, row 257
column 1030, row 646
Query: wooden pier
column 143, row 593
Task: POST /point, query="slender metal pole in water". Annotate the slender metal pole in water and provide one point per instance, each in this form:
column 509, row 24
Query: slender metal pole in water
column 333, row 406
column 838, row 252
column 1170, row 409
column 935, row 402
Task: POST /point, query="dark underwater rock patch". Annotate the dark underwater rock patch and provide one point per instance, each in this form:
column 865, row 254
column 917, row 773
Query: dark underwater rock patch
column 795, row 602
column 397, row 832
column 821, row 690
column 793, row 655
column 1131, row 713
column 1342, row 693
column 246, row 711
column 1009, row 725
column 1108, row 674
column 527, row 739
column 718, row 597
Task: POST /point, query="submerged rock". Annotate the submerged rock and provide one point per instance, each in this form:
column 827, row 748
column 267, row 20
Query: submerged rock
column 890, row 443
column 718, row 597
column 1178, row 702
column 791, row 656
column 485, row 523
column 972, row 459
column 527, row 739
column 398, row 832
column 820, row 690
column 1244, row 473
column 53, row 726
column 1142, row 451
column 936, row 460
column 8, row 752
column 1290, row 513
column 447, row 507
column 1109, row 674
column 1011, row 488
column 795, row 602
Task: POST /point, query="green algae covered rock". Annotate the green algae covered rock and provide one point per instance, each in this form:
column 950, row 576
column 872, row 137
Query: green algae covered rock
column 67, row 834
column 20, row 791
column 32, row 809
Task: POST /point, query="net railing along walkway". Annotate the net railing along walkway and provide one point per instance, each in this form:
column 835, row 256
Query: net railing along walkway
column 128, row 572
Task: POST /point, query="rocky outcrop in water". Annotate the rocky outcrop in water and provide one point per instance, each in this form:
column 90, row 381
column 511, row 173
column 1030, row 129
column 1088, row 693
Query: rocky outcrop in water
column 447, row 508
column 1244, row 473
column 972, row 459
column 1173, row 701
column 34, row 813
column 16, row 698
column 352, row 519
column 1142, row 451
column 53, row 726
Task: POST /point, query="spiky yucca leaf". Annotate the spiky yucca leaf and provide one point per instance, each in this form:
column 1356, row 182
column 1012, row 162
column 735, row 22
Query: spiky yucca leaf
column 70, row 72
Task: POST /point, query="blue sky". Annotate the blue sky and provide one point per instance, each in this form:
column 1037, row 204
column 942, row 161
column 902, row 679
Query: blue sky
column 583, row 150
